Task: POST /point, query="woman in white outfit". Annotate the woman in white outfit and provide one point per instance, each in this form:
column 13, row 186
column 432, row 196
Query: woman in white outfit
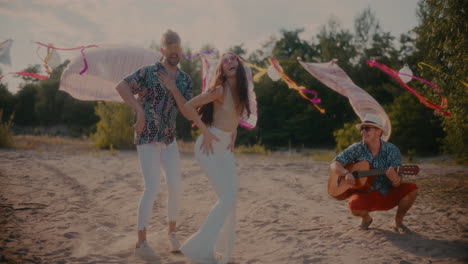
column 220, row 108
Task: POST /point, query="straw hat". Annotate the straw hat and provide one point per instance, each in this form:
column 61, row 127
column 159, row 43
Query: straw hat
column 375, row 121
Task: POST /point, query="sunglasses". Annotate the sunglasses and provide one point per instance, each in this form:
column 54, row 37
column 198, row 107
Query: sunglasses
column 366, row 128
column 174, row 48
column 229, row 59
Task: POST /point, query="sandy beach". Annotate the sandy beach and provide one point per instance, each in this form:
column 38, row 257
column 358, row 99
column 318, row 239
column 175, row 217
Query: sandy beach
column 64, row 202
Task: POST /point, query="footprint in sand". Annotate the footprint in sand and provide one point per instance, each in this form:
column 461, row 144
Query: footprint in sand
column 25, row 206
column 310, row 259
column 71, row 235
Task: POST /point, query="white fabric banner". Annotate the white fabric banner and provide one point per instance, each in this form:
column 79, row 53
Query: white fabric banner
column 330, row 74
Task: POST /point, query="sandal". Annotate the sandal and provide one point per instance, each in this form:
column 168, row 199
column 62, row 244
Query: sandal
column 401, row 229
column 141, row 244
column 365, row 225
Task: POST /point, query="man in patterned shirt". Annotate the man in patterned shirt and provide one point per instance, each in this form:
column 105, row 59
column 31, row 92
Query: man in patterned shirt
column 387, row 190
column 163, row 89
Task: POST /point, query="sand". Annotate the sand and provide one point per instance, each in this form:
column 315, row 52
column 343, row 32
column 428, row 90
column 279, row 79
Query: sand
column 69, row 203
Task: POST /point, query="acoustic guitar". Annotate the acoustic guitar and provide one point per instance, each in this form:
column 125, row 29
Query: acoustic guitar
column 340, row 190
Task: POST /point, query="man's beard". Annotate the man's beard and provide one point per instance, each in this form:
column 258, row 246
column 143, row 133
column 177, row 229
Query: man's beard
column 173, row 62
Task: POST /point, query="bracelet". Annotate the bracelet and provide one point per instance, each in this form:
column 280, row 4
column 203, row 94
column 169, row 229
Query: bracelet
column 397, row 181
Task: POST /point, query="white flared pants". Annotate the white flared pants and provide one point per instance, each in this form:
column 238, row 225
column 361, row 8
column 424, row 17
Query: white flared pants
column 216, row 235
column 153, row 157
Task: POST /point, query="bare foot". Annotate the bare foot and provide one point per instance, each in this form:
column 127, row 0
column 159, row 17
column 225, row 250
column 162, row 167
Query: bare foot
column 365, row 224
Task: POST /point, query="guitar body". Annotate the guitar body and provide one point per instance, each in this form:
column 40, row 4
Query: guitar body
column 340, row 190
column 363, row 175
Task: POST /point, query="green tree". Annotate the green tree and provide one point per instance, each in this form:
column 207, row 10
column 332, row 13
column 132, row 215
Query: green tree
column 48, row 109
column 414, row 126
column 78, row 116
column 290, row 46
column 25, row 113
column 7, row 102
column 284, row 116
column 372, row 42
column 336, row 43
column 193, row 68
column 238, row 50
column 442, row 42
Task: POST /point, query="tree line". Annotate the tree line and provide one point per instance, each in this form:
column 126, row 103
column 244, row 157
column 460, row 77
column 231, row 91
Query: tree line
column 286, row 119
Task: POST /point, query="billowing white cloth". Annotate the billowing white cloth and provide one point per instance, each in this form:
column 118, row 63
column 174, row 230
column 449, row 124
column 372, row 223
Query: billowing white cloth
column 330, row 74
column 107, row 66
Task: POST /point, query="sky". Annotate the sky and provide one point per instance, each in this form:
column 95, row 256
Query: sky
column 221, row 23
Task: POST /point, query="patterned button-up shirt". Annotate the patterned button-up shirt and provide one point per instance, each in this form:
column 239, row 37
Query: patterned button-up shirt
column 158, row 103
column 389, row 155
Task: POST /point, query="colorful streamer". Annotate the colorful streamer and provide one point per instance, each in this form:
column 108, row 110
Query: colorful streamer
column 200, row 54
column 31, row 74
column 292, row 85
column 50, row 61
column 335, row 78
column 259, row 74
column 82, row 48
column 421, row 64
column 422, row 99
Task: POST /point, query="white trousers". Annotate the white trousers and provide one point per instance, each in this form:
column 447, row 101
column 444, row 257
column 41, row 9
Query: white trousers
column 216, row 235
column 153, row 157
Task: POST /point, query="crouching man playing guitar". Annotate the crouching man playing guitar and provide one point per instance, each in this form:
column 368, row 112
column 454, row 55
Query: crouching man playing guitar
column 368, row 173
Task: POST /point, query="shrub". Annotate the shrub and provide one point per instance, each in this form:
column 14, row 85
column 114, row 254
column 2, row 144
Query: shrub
column 6, row 137
column 346, row 136
column 253, row 149
column 115, row 127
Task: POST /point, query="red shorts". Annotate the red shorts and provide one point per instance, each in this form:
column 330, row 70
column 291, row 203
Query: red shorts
column 375, row 201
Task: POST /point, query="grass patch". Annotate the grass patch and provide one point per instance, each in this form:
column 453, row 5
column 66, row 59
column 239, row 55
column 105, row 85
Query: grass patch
column 52, row 143
column 449, row 162
column 253, row 149
column 447, row 189
column 323, row 156
column 326, row 155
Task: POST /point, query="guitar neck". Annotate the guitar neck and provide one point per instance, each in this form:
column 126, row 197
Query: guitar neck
column 372, row 172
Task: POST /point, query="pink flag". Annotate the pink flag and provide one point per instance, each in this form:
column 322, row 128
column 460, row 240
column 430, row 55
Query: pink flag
column 208, row 70
column 5, row 51
column 334, row 77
